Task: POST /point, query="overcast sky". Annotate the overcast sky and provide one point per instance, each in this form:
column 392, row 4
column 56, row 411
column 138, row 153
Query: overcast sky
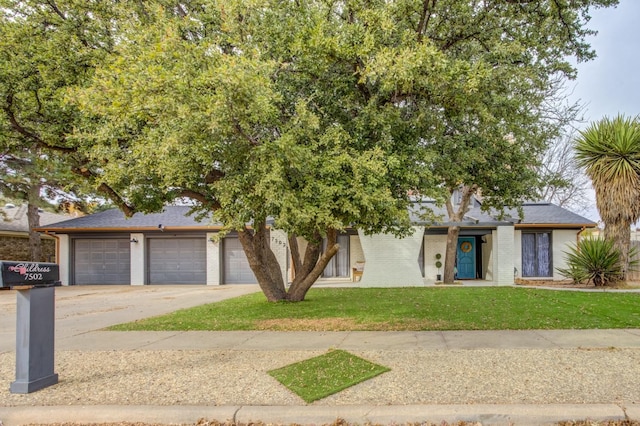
column 610, row 84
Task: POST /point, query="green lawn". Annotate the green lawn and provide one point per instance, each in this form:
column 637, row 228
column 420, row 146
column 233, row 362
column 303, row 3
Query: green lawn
column 411, row 308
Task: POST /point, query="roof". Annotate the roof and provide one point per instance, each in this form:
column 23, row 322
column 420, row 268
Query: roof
column 540, row 214
column 14, row 218
column 172, row 217
column 178, row 218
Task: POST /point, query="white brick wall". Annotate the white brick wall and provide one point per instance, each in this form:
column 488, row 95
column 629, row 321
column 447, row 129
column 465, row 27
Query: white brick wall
column 487, row 257
column 355, row 252
column 137, row 259
column 279, row 245
column 562, row 240
column 391, row 261
column 517, row 252
column 503, row 262
column 64, row 257
column 433, row 244
column 213, row 260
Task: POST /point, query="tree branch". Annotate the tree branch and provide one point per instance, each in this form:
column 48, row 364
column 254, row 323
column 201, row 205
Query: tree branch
column 427, row 7
column 188, row 193
column 29, row 134
column 128, row 210
column 57, row 10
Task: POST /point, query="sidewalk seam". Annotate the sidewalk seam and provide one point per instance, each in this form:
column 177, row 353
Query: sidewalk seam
column 235, row 414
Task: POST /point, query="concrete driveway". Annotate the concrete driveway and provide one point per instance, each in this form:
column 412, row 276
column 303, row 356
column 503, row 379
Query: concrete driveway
column 81, row 309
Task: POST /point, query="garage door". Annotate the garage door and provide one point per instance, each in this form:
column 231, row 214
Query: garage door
column 236, row 265
column 177, row 261
column 102, row 261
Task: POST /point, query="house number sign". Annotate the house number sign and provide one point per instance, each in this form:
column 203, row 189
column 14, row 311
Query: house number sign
column 278, row 241
column 28, row 273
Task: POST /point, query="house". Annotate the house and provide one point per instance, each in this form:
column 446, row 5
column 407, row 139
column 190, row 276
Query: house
column 14, row 233
column 173, row 248
column 498, row 249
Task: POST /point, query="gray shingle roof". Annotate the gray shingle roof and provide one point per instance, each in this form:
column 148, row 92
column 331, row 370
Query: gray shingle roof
column 535, row 213
column 177, row 217
column 172, row 216
column 15, row 218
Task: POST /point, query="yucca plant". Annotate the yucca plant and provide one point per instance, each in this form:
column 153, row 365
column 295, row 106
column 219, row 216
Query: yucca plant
column 609, row 151
column 593, row 260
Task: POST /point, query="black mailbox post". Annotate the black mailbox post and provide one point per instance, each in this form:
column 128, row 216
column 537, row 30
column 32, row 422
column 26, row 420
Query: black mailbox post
column 35, row 325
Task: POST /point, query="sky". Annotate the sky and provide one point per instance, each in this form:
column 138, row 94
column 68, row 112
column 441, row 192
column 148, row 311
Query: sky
column 610, row 84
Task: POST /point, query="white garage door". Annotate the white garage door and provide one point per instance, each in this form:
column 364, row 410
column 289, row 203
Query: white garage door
column 102, row 261
column 177, row 261
column 236, row 265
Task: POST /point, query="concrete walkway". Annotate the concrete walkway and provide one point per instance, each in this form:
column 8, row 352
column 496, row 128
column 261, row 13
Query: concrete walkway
column 81, row 313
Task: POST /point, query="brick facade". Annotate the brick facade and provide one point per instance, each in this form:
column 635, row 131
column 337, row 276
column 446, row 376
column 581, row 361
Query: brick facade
column 17, row 248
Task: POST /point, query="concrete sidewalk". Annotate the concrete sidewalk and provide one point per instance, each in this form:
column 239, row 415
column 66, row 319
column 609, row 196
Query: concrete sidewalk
column 83, row 311
column 520, row 415
column 349, row 340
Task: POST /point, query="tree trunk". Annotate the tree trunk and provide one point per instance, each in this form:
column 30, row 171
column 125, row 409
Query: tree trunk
column 619, row 232
column 451, row 254
column 266, row 268
column 263, row 262
column 33, row 219
column 455, row 215
column 313, row 264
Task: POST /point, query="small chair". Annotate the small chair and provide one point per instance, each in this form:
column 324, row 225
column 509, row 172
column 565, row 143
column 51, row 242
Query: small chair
column 357, row 271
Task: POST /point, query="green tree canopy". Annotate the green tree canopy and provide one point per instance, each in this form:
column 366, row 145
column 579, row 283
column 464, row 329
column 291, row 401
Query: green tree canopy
column 320, row 115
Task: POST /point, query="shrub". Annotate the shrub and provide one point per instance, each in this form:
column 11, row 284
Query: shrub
column 593, row 260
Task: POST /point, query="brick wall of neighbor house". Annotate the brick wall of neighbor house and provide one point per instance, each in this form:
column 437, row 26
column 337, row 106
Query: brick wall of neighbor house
column 17, row 248
column 391, row 261
column 433, row 244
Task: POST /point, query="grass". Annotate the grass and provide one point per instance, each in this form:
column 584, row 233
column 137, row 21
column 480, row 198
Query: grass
column 410, row 308
column 324, row 375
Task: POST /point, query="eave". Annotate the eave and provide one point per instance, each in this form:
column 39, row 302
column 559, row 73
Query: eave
column 131, row 229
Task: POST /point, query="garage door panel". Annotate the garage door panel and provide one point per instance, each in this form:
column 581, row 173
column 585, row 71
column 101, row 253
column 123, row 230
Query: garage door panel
column 177, row 261
column 236, row 265
column 102, row 261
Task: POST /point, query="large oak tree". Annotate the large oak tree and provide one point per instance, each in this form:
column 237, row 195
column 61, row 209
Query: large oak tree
column 311, row 116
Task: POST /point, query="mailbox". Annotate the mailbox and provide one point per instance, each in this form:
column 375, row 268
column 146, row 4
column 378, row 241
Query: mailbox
column 35, row 318
column 36, row 274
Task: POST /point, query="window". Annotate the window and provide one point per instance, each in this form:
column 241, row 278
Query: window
column 536, row 254
column 338, row 266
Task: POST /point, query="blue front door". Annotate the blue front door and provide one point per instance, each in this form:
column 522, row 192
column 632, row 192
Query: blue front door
column 466, row 258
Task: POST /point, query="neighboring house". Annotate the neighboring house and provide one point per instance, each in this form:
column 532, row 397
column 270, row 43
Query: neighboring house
column 14, row 233
column 172, row 248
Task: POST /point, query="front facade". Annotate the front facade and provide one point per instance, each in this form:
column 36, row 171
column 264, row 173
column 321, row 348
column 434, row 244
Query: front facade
column 161, row 248
column 172, row 248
